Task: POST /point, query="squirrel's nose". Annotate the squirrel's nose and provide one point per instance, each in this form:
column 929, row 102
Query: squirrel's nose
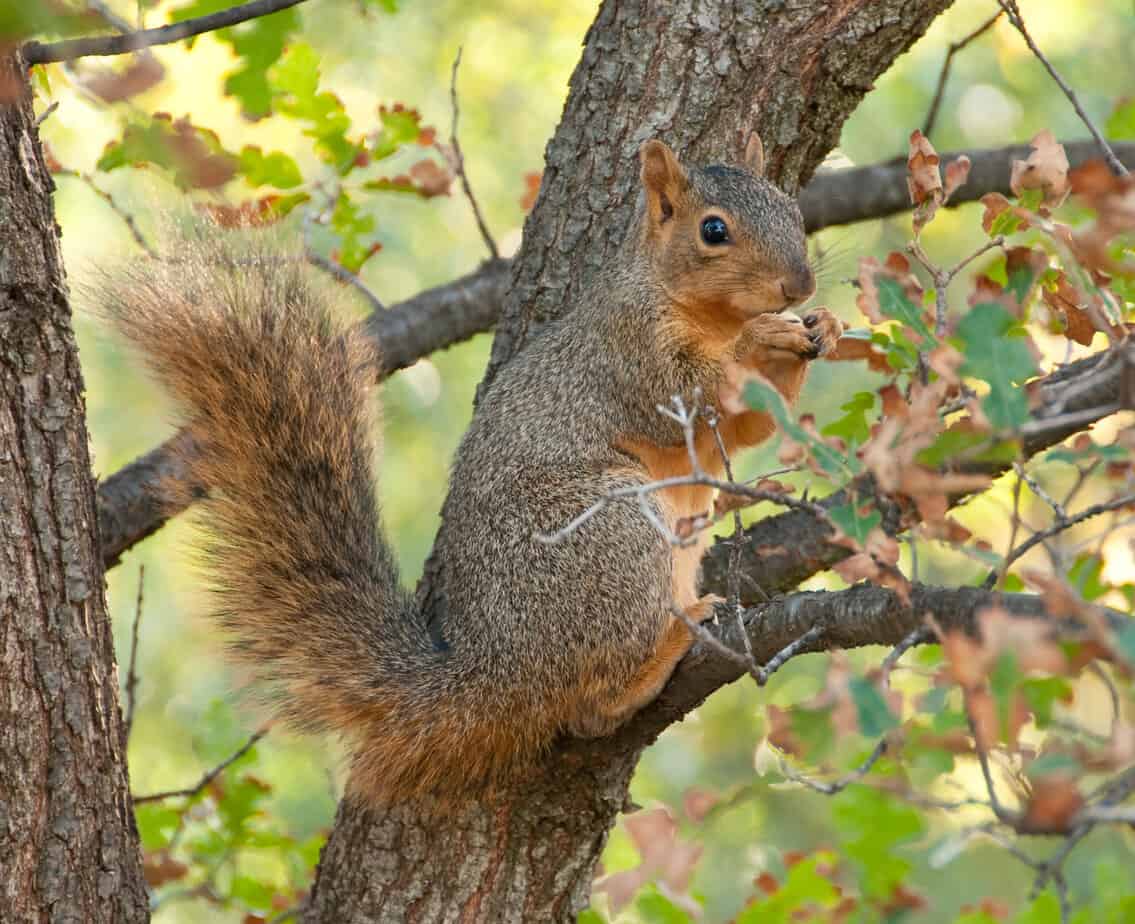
column 799, row 285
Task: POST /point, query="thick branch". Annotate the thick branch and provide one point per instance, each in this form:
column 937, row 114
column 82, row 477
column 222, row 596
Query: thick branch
column 862, row 615
column 839, row 197
column 40, row 53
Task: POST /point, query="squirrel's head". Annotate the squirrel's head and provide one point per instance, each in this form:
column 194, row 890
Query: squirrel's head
column 723, row 239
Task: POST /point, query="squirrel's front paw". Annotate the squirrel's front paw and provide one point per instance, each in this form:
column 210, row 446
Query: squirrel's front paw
column 769, row 334
column 824, row 330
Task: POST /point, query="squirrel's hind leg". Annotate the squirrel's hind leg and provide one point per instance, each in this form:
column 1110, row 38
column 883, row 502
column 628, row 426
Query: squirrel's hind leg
column 672, row 646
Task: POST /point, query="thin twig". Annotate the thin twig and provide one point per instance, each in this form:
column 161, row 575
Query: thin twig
column 43, row 116
column 459, row 164
column 917, row 637
column 1004, row 815
column 1010, row 7
column 127, row 218
column 703, row 634
column 788, row 652
column 131, row 675
column 839, row 785
column 344, row 275
column 208, row 777
column 943, row 76
column 40, row 53
column 1086, row 514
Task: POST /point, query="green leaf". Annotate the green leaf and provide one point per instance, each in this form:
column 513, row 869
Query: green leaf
column 855, row 524
column 251, row 892
column 894, row 303
column 272, row 169
column 1042, row 694
column 353, row 229
column 656, row 908
column 761, row 396
column 400, row 126
column 853, row 427
column 1121, row 123
column 1048, row 764
column 993, row 344
column 1084, row 575
column 875, row 716
column 194, row 155
column 1125, row 639
column 157, row 823
column 295, row 81
column 590, row 916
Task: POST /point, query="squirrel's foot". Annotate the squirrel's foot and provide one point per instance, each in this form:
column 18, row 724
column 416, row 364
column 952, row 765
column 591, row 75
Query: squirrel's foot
column 702, row 609
column 824, row 330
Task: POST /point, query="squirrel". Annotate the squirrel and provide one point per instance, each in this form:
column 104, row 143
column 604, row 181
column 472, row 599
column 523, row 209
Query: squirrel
column 451, row 691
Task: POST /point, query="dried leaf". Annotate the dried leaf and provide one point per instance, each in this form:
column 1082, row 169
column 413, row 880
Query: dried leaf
column 431, row 178
column 1053, row 804
column 957, row 172
column 853, row 348
column 923, row 180
column 1045, row 169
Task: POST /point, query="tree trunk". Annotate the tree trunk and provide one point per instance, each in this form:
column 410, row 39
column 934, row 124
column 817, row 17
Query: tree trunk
column 698, row 75
column 68, row 843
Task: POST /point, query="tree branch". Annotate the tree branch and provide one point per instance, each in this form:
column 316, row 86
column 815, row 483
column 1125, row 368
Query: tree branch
column 852, row 618
column 840, row 197
column 40, row 53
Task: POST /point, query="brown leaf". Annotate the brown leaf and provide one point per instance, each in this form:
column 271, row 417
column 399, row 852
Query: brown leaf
column 995, row 204
column 957, row 172
column 431, row 178
column 923, row 180
column 1066, row 300
column 1053, row 803
column 160, row 868
column 1045, row 169
column 111, row 86
column 852, row 348
column 697, row 803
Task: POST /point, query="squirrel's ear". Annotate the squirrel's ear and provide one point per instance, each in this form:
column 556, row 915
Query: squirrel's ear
column 755, row 155
column 663, row 179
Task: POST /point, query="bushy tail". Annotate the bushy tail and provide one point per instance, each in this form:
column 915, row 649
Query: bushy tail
column 275, row 395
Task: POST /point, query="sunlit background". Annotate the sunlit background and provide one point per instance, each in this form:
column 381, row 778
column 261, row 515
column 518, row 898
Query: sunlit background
column 518, row 56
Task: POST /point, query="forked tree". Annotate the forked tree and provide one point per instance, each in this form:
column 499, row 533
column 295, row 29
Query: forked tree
column 956, row 415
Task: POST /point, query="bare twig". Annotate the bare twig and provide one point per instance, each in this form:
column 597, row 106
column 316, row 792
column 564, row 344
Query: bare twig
column 43, row 116
column 919, row 636
column 40, row 53
column 344, row 275
column 944, row 74
column 1060, row 526
column 839, row 785
column 208, row 777
column 459, row 164
column 777, row 661
column 131, row 675
column 1010, row 7
column 127, row 218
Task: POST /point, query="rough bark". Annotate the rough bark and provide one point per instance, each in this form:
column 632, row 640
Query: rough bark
column 701, row 74
column 67, row 837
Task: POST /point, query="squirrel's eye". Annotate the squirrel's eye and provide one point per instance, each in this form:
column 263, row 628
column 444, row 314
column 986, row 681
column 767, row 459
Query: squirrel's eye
column 714, row 230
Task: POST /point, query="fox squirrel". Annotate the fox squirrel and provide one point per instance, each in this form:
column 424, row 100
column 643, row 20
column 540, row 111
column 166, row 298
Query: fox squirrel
column 513, row 640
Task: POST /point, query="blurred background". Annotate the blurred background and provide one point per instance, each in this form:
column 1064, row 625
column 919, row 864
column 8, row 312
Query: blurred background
column 518, row 56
